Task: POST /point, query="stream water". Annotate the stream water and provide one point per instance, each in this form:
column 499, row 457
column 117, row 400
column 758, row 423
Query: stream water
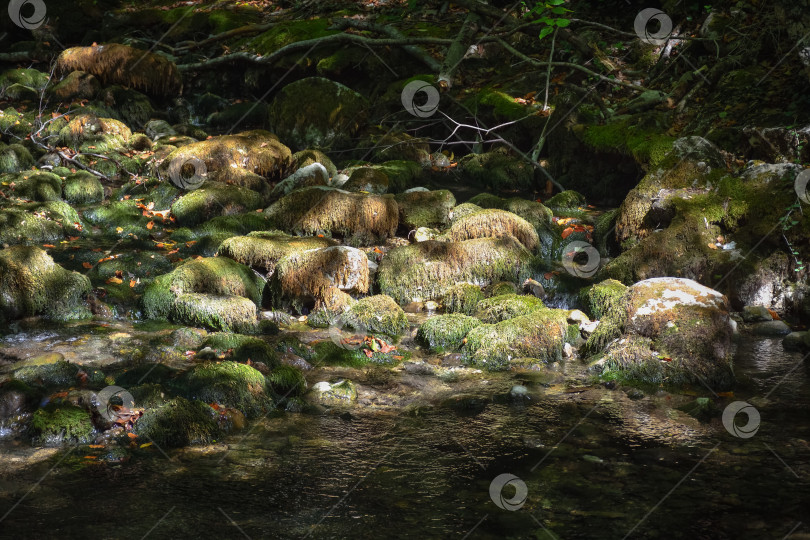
column 596, row 462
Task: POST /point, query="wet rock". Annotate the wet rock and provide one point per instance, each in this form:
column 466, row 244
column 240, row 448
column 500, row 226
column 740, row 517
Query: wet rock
column 599, row 299
column 31, row 283
column 308, row 157
column 228, row 383
column 506, row 306
column 178, row 422
column 672, row 330
column 770, row 328
column 317, row 112
column 367, row 180
column 337, row 394
column 756, row 314
column 797, row 341
column 462, row 298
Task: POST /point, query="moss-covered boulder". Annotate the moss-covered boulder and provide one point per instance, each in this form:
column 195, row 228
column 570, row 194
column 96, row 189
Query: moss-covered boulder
column 307, row 157
column 113, row 63
column 340, row 393
column 538, row 214
column 37, row 222
column 302, row 278
column 427, row 270
column 462, row 298
column 446, row 332
column 506, row 306
column 494, row 224
column 540, row 334
column 31, row 283
column 48, row 370
column 178, row 422
column 313, row 174
column 31, row 78
column 377, row 314
column 317, row 112
column 601, row 298
column 368, row 180
column 565, row 200
column 214, row 199
column 228, row 383
column 76, row 85
column 463, row 210
column 685, row 324
column 94, row 134
column 14, row 158
column 216, row 293
column 82, row 187
column 241, row 159
column 61, row 423
column 263, row 249
column 120, row 218
column 359, row 217
column 425, row 208
column 34, row 185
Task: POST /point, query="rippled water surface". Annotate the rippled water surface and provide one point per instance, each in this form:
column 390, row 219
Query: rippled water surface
column 596, row 464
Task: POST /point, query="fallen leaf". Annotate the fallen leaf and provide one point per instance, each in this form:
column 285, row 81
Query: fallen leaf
column 115, row 280
column 87, row 265
column 132, row 283
column 147, row 444
column 96, row 446
column 567, row 232
column 132, row 435
column 150, row 225
column 90, row 457
column 712, row 245
column 48, row 245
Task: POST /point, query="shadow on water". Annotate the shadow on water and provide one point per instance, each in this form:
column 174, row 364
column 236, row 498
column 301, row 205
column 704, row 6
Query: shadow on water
column 596, row 464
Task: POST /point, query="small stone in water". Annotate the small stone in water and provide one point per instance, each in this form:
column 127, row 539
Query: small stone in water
column 519, row 391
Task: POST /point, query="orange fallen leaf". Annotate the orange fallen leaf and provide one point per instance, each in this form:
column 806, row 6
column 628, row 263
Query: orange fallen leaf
column 548, row 275
column 725, row 394
column 73, row 238
column 115, row 280
column 48, row 245
column 90, row 457
column 774, row 314
column 132, row 283
column 368, row 352
column 132, row 435
column 712, row 245
column 87, row 265
column 150, row 225
column 567, row 232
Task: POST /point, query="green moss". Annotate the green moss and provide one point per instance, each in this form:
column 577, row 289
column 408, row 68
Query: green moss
column 465, row 209
column 611, row 324
column 62, row 423
column 502, row 104
column 498, row 170
column 83, row 188
column 119, row 214
column 243, row 348
column 644, row 145
column 32, row 78
column 402, row 174
column 49, row 370
column 228, row 383
column 425, row 208
column 462, row 298
column 178, row 422
column 601, row 298
column 209, row 277
column 540, row 334
column 446, row 332
column 507, row 306
column 487, row 200
column 428, row 269
column 32, row 284
column 378, row 314
column 566, row 199
column 367, row 179
column 493, row 223
column 212, row 200
column 229, row 313
column 36, row 186
column 14, row 158
column 532, row 211
column 287, row 382
column 286, row 32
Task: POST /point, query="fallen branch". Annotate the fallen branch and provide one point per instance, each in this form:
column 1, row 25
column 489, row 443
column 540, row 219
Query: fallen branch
column 392, row 33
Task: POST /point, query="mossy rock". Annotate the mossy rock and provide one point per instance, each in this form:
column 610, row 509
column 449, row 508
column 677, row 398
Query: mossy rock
column 48, row 370
column 120, row 64
column 242, row 348
column 76, row 85
column 402, row 174
column 83, row 188
column 498, row 170
column 134, row 107
column 400, row 146
column 35, row 186
column 207, row 285
column 94, row 134
column 60, row 423
column 566, row 199
column 446, row 332
column 37, row 222
column 257, row 151
column 627, row 136
column 32, row 78
column 177, row 423
column 368, row 180
column 427, row 270
column 462, row 298
column 332, row 212
column 540, row 334
column 286, row 32
column 536, row 213
column 341, row 393
column 317, row 112
column 601, row 298
column 212, row 200
column 31, row 283
column 228, row 383
column 425, row 208
column 507, row 306
column 309, row 156
column 287, row 382
column 313, row 174
column 302, row 278
column 501, row 288
column 262, row 250
column 377, row 314
column 494, row 224
column 14, row 158
column 123, row 215
column 210, row 235
column 465, row 209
